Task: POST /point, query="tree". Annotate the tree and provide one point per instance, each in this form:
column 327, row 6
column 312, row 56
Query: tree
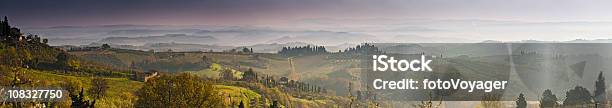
column 74, row 64
column 428, row 103
column 71, row 85
column 600, row 91
column 246, row 50
column 178, row 91
column 13, row 58
column 62, row 59
column 491, row 100
column 249, row 75
column 363, row 49
column 205, row 59
column 98, row 88
column 548, row 99
column 302, row 51
column 64, row 62
column 78, row 100
column 241, row 105
column 520, row 101
column 105, row 46
column 577, row 96
column 275, row 104
column 227, row 74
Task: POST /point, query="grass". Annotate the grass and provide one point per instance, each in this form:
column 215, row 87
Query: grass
column 234, row 95
column 310, row 69
column 213, row 72
column 120, row 93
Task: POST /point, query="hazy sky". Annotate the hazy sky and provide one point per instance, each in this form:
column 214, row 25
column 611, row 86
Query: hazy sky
column 506, row 20
column 273, row 12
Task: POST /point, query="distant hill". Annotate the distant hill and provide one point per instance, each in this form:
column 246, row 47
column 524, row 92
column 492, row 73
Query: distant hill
column 426, row 39
column 327, row 38
column 274, row 47
column 166, row 46
column 184, row 47
column 540, row 41
column 491, row 41
column 590, row 41
column 258, row 48
column 168, row 38
column 245, row 36
column 145, row 32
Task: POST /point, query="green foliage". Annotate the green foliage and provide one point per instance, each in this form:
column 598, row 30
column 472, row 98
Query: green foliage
column 215, row 67
column 74, row 64
column 178, row 91
column 105, row 46
column 11, row 57
column 521, row 102
column 577, row 96
column 71, row 85
column 247, row 50
column 119, row 93
column 491, row 100
column 62, row 59
column 249, row 75
column 237, row 94
column 172, row 66
column 227, row 74
column 216, row 71
column 600, row 91
column 71, row 63
column 78, row 100
column 19, row 56
column 32, row 63
column 2, row 47
column 275, row 104
column 363, row 49
column 108, row 60
column 20, row 50
column 548, row 99
column 230, row 74
column 98, row 88
column 302, row 51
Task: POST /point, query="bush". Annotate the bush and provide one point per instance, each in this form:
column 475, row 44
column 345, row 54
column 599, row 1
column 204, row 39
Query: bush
column 178, row 91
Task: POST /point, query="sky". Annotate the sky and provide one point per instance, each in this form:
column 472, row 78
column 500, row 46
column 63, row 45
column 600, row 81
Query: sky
column 506, row 20
column 276, row 12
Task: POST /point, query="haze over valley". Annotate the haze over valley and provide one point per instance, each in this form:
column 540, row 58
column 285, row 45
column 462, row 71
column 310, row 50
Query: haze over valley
column 334, row 33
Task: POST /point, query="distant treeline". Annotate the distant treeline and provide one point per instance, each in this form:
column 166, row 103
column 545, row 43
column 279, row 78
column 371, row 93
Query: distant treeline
column 302, row 50
column 365, row 48
column 362, row 49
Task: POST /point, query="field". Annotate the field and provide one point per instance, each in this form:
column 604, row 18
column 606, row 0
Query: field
column 324, row 70
column 120, row 93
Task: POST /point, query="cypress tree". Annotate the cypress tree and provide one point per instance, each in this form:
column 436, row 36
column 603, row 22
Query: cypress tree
column 600, row 91
column 520, row 101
